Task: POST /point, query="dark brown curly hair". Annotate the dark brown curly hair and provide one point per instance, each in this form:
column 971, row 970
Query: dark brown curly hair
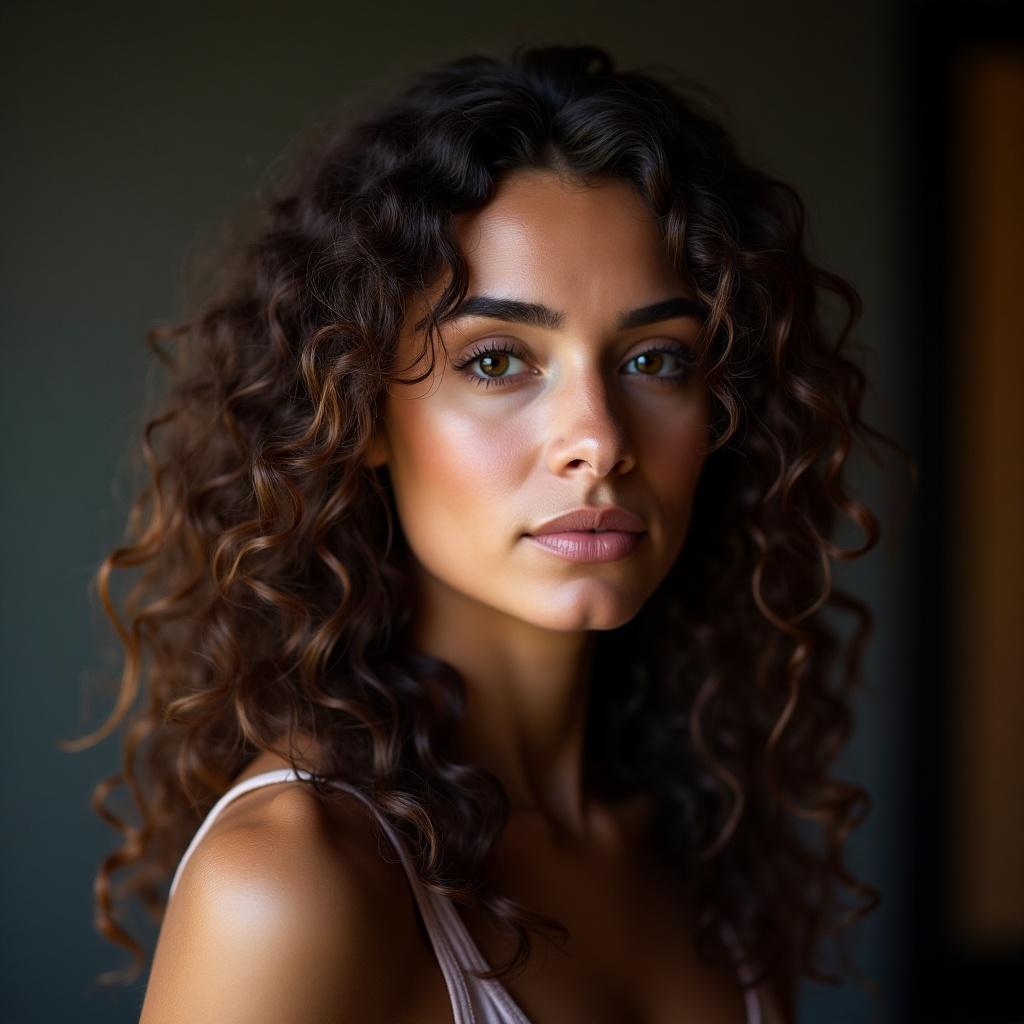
column 273, row 588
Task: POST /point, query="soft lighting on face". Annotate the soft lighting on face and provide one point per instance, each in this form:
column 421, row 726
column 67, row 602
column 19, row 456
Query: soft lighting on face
column 570, row 382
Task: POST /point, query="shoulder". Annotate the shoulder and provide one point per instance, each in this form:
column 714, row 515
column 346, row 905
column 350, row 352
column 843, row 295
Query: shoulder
column 285, row 911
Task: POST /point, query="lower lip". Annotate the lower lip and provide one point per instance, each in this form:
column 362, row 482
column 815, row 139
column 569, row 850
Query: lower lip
column 582, row 546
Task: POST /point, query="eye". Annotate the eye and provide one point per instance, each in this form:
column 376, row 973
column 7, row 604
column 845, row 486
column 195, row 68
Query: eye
column 493, row 359
column 652, row 361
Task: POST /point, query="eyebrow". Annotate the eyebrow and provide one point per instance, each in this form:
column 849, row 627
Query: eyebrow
column 534, row 314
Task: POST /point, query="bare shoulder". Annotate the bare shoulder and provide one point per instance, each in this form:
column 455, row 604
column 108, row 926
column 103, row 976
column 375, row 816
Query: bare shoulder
column 285, row 912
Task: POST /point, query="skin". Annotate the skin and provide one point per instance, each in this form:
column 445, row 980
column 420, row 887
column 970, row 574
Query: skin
column 578, row 422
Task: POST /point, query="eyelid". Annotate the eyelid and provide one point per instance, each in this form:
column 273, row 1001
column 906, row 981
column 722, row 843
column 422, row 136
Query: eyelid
column 488, row 345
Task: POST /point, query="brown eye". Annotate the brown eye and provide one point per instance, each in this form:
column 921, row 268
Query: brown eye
column 651, row 363
column 494, row 363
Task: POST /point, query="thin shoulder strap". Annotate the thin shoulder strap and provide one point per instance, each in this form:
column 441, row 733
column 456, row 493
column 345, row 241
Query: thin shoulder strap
column 438, row 936
column 263, row 779
column 750, row 994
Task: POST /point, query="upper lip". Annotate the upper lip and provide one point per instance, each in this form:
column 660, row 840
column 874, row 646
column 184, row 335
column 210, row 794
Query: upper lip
column 611, row 517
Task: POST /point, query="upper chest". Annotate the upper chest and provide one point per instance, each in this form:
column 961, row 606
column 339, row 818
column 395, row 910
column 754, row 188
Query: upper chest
column 629, row 955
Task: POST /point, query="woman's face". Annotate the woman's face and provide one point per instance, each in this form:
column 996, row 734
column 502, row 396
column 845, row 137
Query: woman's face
column 585, row 398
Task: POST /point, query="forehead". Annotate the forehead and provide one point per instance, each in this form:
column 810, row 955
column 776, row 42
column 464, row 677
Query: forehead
column 588, row 249
column 570, row 244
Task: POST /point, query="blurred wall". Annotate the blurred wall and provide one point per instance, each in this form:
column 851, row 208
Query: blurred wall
column 130, row 132
column 966, row 268
column 988, row 836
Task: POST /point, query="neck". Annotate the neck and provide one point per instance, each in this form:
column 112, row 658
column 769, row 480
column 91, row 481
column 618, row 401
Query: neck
column 527, row 690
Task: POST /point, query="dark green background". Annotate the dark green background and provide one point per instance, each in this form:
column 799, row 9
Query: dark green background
column 130, row 133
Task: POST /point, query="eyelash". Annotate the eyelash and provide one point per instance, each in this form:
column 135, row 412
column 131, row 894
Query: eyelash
column 510, row 348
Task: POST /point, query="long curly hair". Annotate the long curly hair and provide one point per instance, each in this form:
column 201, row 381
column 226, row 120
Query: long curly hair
column 271, row 581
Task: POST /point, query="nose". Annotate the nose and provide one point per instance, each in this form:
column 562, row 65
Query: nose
column 587, row 432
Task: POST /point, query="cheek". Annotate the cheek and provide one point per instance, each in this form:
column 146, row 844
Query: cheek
column 674, row 460
column 672, row 453
column 452, row 470
column 673, row 449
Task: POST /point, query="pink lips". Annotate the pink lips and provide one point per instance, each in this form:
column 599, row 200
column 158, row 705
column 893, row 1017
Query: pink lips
column 579, row 546
column 590, row 534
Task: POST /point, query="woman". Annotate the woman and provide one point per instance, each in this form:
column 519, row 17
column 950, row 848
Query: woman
column 486, row 558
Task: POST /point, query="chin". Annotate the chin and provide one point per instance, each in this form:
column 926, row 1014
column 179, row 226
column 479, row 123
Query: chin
column 587, row 607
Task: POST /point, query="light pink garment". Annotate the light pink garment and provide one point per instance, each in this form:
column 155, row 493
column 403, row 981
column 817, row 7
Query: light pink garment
column 474, row 1000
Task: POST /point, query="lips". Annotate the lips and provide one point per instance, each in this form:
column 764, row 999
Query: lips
column 581, row 520
column 583, row 546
